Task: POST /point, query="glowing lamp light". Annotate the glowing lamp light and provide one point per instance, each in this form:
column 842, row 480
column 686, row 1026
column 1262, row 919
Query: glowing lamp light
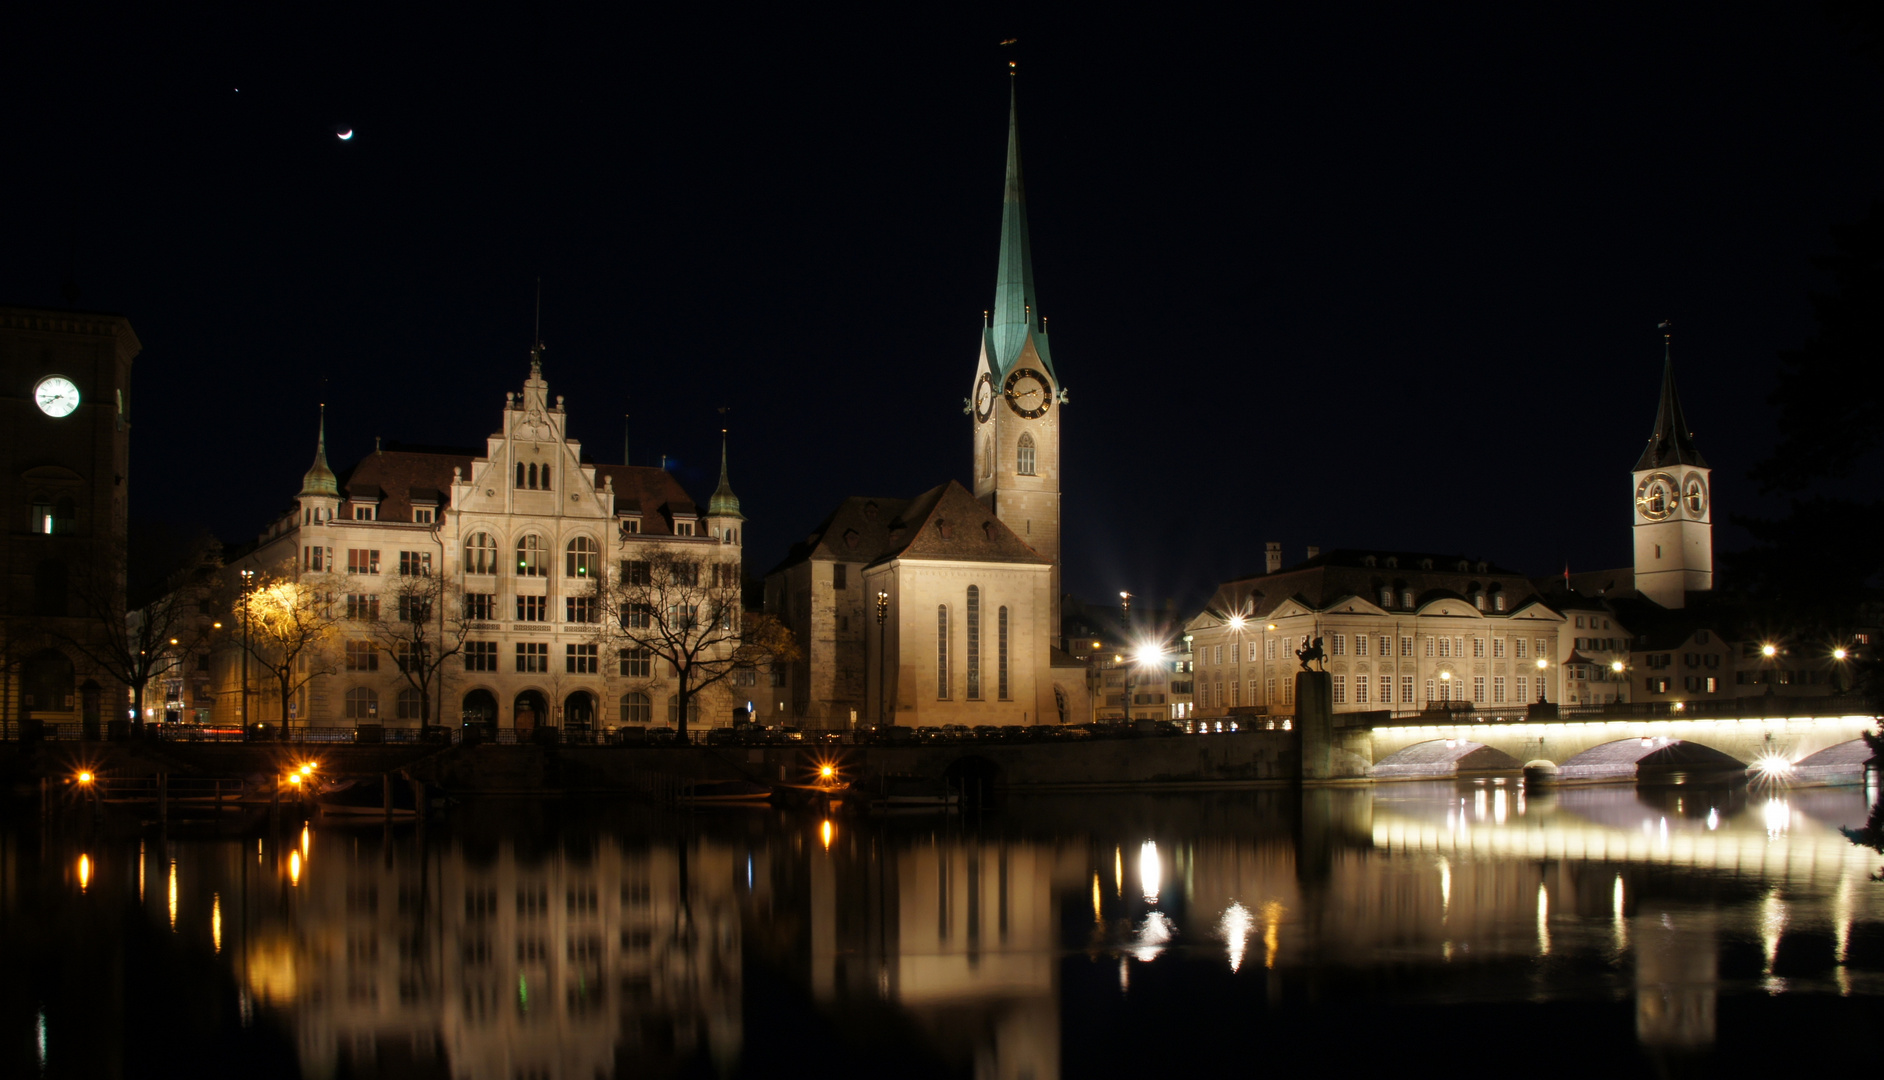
column 294, row 867
column 1680, row 705
column 295, row 779
column 1147, row 654
column 1236, row 622
column 1839, row 654
column 85, row 777
column 1542, row 663
column 825, row 833
column 1769, row 650
column 1616, row 666
column 84, row 872
column 826, row 772
column 1773, row 767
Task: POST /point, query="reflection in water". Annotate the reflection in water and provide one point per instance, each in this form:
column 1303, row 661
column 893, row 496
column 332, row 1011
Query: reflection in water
column 623, row 945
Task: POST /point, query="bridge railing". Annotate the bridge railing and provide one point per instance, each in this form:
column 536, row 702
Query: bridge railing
column 1727, row 709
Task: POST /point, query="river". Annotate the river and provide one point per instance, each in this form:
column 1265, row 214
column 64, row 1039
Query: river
column 1601, row 930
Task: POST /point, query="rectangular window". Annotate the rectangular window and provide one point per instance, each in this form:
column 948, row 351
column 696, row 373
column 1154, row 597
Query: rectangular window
column 480, row 607
column 1406, row 645
column 638, row 616
column 1386, row 689
column 683, row 616
column 1233, row 689
column 839, row 575
column 532, row 608
column 974, row 643
column 363, row 606
column 1360, row 686
column 579, row 609
column 1340, row 689
column 1269, row 648
column 1478, row 648
column 1001, row 660
column 1340, row 645
column 362, row 561
column 415, row 563
column 1406, row 690
column 1458, row 647
column 361, row 656
column 1360, row 646
column 1288, row 691
column 1498, row 648
column 423, row 515
column 1252, row 652
column 1219, row 659
column 580, row 659
column 1713, row 685
column 1518, row 644
column 637, row 663
column 1478, row 688
column 636, row 572
column 1524, row 690
column 480, row 656
column 1543, row 649
column 631, row 525
column 942, row 651
column 1429, row 646
column 415, row 609
column 683, row 528
column 362, row 513
column 1271, row 688
column 1432, row 692
column 1386, row 645
column 532, row 657
column 1445, row 647
column 1498, row 689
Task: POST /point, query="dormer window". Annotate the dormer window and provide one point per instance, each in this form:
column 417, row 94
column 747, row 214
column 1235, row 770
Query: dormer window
column 631, row 524
column 1406, row 598
column 363, row 512
column 1478, row 601
column 424, row 515
column 1386, row 596
column 683, row 528
column 1368, row 560
column 1498, row 602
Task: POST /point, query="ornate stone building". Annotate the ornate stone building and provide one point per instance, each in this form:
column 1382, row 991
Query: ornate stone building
column 521, row 534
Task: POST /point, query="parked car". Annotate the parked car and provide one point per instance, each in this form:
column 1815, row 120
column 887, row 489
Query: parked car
column 663, row 736
column 722, row 736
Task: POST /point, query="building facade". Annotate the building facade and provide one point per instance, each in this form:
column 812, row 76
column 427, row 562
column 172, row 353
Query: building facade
column 945, row 608
column 65, row 467
column 524, row 535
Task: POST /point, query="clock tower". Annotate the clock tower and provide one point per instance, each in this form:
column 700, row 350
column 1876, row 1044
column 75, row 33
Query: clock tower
column 1016, row 399
column 1674, row 522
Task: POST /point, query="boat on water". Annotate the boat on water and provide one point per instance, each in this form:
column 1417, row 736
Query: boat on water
column 352, row 797
column 725, row 793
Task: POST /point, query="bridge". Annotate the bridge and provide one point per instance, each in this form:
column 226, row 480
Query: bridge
column 1810, row 742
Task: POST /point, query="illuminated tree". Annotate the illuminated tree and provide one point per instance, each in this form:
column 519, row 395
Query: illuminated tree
column 286, row 625
column 684, row 609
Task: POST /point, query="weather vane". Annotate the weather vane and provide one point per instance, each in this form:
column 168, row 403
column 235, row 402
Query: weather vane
column 1666, row 326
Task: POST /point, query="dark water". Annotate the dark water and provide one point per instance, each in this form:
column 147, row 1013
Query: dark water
column 1598, row 931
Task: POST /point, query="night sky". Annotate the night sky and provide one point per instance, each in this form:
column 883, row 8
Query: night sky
column 1328, row 276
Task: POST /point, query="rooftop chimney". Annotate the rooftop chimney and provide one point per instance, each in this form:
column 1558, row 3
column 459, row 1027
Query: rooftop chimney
column 1313, row 551
column 1272, row 556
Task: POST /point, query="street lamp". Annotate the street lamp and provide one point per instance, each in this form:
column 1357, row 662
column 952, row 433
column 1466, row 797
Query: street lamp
column 248, row 582
column 883, row 689
column 1542, row 666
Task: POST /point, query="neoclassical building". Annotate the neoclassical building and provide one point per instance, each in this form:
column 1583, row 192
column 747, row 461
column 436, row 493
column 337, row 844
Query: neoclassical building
column 945, row 608
column 521, row 533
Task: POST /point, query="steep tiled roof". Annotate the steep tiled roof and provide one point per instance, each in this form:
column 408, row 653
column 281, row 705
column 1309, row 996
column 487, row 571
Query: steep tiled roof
column 391, row 475
column 654, row 492
column 1671, row 443
column 857, row 531
column 945, row 522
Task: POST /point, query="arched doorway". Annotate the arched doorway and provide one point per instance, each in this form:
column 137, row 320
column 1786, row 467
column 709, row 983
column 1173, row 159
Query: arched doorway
column 529, row 711
column 480, row 710
column 578, row 714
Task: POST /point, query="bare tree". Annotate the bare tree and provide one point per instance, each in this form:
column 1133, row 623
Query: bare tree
column 135, row 647
column 684, row 609
column 286, row 625
column 421, row 625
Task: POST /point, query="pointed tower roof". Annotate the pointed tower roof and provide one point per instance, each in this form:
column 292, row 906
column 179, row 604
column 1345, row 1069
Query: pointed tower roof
column 1016, row 306
column 320, row 478
column 724, row 503
column 1672, row 443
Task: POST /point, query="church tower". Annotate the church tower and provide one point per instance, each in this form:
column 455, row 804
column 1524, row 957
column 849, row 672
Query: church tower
column 1674, row 530
column 1016, row 398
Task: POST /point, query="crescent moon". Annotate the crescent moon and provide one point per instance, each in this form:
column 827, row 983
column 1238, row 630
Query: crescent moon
column 345, row 135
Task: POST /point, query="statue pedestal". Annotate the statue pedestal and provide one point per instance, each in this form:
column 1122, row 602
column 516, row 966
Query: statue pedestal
column 1314, row 724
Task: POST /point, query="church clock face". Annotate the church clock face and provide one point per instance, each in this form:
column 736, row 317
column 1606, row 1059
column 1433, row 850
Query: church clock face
column 56, row 396
column 984, row 398
column 1028, row 393
column 1655, row 496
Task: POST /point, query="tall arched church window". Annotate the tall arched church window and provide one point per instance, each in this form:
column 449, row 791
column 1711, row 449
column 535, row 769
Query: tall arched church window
column 546, row 478
column 942, row 651
column 480, row 554
column 974, row 642
column 1025, row 455
column 1001, row 654
column 533, row 475
column 580, row 559
column 531, row 558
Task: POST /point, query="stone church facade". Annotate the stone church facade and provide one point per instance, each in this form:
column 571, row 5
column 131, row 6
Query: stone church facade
column 944, row 608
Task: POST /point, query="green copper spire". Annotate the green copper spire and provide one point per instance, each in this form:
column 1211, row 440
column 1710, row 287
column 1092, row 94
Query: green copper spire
column 320, row 479
column 724, row 503
column 1016, row 306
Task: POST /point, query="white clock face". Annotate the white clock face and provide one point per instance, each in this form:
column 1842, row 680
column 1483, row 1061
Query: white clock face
column 56, row 396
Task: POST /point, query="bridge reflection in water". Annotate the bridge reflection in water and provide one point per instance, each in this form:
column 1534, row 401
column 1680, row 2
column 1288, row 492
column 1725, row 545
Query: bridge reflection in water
column 613, row 943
